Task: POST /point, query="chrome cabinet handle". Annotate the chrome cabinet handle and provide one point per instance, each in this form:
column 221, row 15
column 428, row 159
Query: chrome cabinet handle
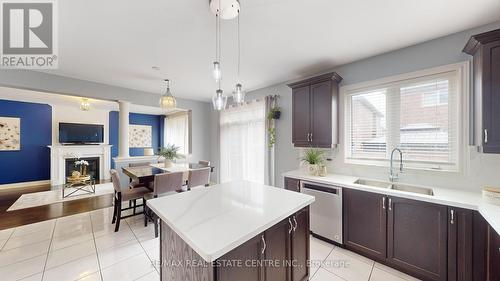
column 298, row 186
column 311, row 136
column 485, row 135
column 390, row 204
column 383, row 202
column 291, row 226
column 295, row 221
column 263, row 244
column 452, row 215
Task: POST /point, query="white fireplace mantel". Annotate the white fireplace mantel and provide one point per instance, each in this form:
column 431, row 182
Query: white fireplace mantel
column 59, row 154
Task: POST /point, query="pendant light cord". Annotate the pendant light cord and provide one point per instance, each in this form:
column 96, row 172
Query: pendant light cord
column 239, row 44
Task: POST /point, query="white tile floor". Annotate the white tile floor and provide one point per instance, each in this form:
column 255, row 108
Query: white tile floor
column 85, row 247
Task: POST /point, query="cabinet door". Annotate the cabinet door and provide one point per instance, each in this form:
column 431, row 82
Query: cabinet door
column 321, row 114
column 491, row 97
column 365, row 223
column 493, row 255
column 301, row 121
column 277, row 240
column 292, row 184
column 250, row 251
column 300, row 245
column 417, row 238
column 459, row 244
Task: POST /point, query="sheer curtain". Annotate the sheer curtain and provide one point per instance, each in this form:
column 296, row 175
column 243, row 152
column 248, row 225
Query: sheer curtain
column 243, row 143
column 177, row 131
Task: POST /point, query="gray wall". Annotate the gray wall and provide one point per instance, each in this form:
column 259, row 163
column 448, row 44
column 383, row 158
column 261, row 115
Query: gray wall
column 54, row 84
column 442, row 51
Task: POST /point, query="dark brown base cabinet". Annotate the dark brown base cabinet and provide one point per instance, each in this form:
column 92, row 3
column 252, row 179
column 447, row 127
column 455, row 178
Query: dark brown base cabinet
column 280, row 253
column 292, row 184
column 428, row 241
column 365, row 223
column 493, row 255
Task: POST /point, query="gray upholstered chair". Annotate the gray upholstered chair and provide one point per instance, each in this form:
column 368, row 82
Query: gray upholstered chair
column 121, row 195
column 139, row 164
column 164, row 184
column 135, row 183
column 199, row 177
column 204, row 163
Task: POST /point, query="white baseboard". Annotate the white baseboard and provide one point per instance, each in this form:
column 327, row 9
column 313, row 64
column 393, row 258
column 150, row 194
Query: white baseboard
column 23, row 184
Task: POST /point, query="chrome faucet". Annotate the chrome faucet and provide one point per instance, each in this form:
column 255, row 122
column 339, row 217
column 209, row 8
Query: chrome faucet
column 394, row 176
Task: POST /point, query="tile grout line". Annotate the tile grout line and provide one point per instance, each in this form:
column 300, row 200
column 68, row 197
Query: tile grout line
column 371, row 271
column 3, row 246
column 48, row 250
column 95, row 245
column 145, row 252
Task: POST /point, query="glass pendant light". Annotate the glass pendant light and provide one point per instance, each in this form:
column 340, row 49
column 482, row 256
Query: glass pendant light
column 217, row 71
column 238, row 93
column 167, row 100
column 219, row 101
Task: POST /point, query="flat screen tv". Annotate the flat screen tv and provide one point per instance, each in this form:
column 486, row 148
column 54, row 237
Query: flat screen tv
column 74, row 133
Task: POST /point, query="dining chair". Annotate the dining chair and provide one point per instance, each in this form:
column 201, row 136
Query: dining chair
column 199, row 177
column 139, row 164
column 121, row 195
column 204, row 163
column 164, row 184
column 136, row 183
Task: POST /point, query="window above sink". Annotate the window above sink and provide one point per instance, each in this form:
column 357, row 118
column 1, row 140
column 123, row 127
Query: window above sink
column 416, row 112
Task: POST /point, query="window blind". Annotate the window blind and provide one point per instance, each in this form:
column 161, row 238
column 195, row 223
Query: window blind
column 177, row 131
column 417, row 115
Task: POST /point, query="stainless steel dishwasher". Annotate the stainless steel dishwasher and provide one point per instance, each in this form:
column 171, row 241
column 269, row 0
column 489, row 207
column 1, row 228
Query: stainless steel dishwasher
column 326, row 211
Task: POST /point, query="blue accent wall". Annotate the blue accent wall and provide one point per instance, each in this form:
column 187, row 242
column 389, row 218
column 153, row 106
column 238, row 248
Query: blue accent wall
column 155, row 121
column 32, row 162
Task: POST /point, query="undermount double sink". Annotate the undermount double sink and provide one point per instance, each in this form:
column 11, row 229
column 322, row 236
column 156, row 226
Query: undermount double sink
column 396, row 186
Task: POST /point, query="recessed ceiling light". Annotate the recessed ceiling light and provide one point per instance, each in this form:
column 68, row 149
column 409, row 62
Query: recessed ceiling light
column 155, row 68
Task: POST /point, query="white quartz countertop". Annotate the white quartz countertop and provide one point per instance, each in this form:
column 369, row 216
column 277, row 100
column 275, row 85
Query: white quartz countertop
column 444, row 196
column 217, row 219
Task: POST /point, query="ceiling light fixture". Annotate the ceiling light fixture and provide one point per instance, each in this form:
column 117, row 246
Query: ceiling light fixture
column 84, row 104
column 239, row 94
column 167, row 100
column 227, row 9
column 219, row 101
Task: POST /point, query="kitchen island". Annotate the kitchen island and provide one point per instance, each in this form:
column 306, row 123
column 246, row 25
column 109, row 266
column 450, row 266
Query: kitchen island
column 234, row 231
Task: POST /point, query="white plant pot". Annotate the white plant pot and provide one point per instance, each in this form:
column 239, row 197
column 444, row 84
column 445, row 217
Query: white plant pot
column 168, row 163
column 312, row 169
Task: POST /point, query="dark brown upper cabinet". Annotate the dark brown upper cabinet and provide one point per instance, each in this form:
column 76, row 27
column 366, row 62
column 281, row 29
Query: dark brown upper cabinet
column 485, row 48
column 315, row 111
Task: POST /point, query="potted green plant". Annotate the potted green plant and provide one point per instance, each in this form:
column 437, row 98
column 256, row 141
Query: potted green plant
column 313, row 158
column 274, row 113
column 170, row 152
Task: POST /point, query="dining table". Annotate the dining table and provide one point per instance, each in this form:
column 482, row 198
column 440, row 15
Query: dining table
column 146, row 174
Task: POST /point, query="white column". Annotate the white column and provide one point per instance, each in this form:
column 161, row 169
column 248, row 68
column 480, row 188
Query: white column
column 123, row 150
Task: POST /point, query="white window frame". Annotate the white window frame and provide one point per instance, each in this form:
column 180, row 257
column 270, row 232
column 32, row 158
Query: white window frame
column 462, row 125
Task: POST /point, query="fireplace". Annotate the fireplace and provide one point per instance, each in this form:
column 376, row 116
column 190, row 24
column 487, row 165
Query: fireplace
column 92, row 169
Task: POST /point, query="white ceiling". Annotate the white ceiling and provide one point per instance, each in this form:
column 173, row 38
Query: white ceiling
column 118, row 41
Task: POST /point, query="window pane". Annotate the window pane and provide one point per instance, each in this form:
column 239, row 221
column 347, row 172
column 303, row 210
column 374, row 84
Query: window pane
column 424, row 121
column 368, row 125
